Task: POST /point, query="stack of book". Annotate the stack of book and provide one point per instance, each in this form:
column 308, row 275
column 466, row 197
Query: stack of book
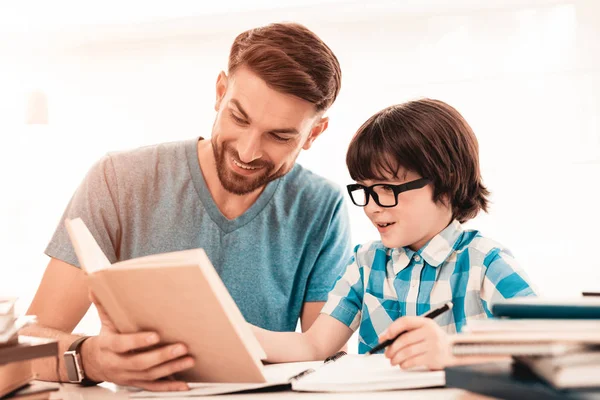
column 558, row 341
column 16, row 352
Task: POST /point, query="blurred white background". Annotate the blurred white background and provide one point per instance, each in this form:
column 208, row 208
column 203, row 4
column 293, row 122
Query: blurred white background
column 121, row 74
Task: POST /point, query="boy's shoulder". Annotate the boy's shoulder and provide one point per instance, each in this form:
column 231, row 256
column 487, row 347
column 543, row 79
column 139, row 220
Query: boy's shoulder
column 473, row 240
column 365, row 252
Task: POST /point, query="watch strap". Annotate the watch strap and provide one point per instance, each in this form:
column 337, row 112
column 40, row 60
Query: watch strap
column 76, row 347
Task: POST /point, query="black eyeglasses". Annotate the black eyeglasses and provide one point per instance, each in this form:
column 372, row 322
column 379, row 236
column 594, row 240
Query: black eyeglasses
column 385, row 195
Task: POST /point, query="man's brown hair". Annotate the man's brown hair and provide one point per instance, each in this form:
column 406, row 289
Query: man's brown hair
column 428, row 137
column 290, row 59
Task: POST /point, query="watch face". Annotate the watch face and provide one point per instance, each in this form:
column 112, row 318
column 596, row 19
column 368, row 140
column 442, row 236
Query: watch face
column 70, row 359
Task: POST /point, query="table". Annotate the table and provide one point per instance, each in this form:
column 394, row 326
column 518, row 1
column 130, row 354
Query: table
column 111, row 392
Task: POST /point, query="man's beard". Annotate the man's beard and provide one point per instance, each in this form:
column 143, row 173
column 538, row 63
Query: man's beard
column 239, row 184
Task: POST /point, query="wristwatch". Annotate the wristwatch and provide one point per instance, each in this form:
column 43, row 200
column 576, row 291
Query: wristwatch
column 74, row 365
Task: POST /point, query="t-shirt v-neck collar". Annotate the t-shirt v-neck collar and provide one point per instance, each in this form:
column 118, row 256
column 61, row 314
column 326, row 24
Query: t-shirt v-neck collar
column 225, row 224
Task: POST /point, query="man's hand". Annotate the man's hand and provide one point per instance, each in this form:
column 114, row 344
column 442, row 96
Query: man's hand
column 133, row 359
column 423, row 344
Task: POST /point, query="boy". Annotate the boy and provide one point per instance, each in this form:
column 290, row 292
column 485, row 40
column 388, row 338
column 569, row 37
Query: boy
column 418, row 179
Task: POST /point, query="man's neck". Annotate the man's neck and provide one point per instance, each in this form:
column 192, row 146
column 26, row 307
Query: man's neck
column 230, row 205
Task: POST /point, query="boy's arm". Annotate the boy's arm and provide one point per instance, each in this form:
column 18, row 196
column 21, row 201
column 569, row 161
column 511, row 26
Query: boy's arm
column 326, row 336
column 339, row 318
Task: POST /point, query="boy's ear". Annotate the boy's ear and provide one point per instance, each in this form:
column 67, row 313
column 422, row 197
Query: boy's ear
column 315, row 132
column 221, row 89
column 445, row 200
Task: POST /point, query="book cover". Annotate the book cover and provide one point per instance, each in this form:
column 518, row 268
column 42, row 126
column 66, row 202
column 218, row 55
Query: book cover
column 180, row 296
column 27, row 348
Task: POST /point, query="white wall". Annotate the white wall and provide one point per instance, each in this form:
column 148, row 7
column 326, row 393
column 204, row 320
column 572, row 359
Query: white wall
column 526, row 77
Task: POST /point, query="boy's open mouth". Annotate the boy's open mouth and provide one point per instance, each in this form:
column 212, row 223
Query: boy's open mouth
column 385, row 224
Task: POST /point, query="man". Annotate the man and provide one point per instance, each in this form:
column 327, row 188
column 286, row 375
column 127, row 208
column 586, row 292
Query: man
column 277, row 234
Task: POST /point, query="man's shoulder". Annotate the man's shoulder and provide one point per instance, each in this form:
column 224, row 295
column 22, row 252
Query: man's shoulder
column 151, row 154
column 154, row 162
column 310, row 186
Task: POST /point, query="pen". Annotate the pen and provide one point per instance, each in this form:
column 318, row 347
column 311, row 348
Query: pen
column 431, row 314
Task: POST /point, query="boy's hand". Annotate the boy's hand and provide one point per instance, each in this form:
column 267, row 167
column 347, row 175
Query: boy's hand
column 423, row 344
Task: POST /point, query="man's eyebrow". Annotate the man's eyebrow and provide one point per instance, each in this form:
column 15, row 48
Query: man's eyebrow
column 240, row 108
column 282, row 131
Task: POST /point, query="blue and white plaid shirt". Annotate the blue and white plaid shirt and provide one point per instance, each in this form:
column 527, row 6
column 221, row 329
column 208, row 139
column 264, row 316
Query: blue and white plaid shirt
column 382, row 284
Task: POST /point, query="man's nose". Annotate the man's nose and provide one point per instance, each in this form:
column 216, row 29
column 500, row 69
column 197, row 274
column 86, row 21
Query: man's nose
column 249, row 147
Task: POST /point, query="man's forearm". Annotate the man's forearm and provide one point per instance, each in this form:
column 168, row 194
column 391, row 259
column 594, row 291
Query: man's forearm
column 45, row 368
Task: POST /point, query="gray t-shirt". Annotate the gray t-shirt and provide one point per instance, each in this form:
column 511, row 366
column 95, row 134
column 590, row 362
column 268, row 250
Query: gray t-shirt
column 286, row 249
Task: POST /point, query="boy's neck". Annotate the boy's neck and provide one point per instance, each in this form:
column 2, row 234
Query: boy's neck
column 421, row 243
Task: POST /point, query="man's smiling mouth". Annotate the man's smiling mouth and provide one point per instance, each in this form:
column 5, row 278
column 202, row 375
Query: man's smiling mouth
column 243, row 166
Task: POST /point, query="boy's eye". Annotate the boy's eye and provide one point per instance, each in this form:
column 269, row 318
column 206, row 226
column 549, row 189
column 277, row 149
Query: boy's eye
column 387, row 188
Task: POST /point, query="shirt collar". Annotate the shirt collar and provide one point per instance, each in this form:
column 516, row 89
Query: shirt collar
column 435, row 252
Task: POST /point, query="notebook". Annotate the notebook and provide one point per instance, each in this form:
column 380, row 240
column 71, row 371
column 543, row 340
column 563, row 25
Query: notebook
column 14, row 375
column 591, row 338
column 533, row 307
column 516, row 349
column 7, row 313
column 576, row 370
column 340, row 373
column 506, row 380
column 180, row 296
column 531, row 325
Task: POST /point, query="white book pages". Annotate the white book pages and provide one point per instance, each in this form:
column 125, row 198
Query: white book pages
column 357, row 373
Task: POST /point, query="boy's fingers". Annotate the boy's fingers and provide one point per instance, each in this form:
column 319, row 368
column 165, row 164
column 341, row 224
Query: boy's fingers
column 409, row 338
column 417, row 361
column 408, row 352
column 402, row 324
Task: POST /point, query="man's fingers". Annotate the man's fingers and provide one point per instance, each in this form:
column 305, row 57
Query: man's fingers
column 151, row 358
column 405, row 340
column 163, row 370
column 161, row 386
column 123, row 343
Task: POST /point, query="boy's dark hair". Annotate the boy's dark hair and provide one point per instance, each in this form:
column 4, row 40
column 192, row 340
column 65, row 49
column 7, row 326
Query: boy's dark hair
column 428, row 137
column 290, row 59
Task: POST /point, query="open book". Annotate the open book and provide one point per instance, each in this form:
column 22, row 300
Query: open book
column 339, row 373
column 180, row 296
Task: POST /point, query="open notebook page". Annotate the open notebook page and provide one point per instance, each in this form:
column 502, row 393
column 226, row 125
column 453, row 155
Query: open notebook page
column 354, row 373
column 351, row 373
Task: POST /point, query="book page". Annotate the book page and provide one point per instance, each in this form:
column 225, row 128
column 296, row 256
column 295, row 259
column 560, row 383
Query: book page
column 284, row 371
column 90, row 255
column 276, row 374
column 163, row 260
column 366, row 373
